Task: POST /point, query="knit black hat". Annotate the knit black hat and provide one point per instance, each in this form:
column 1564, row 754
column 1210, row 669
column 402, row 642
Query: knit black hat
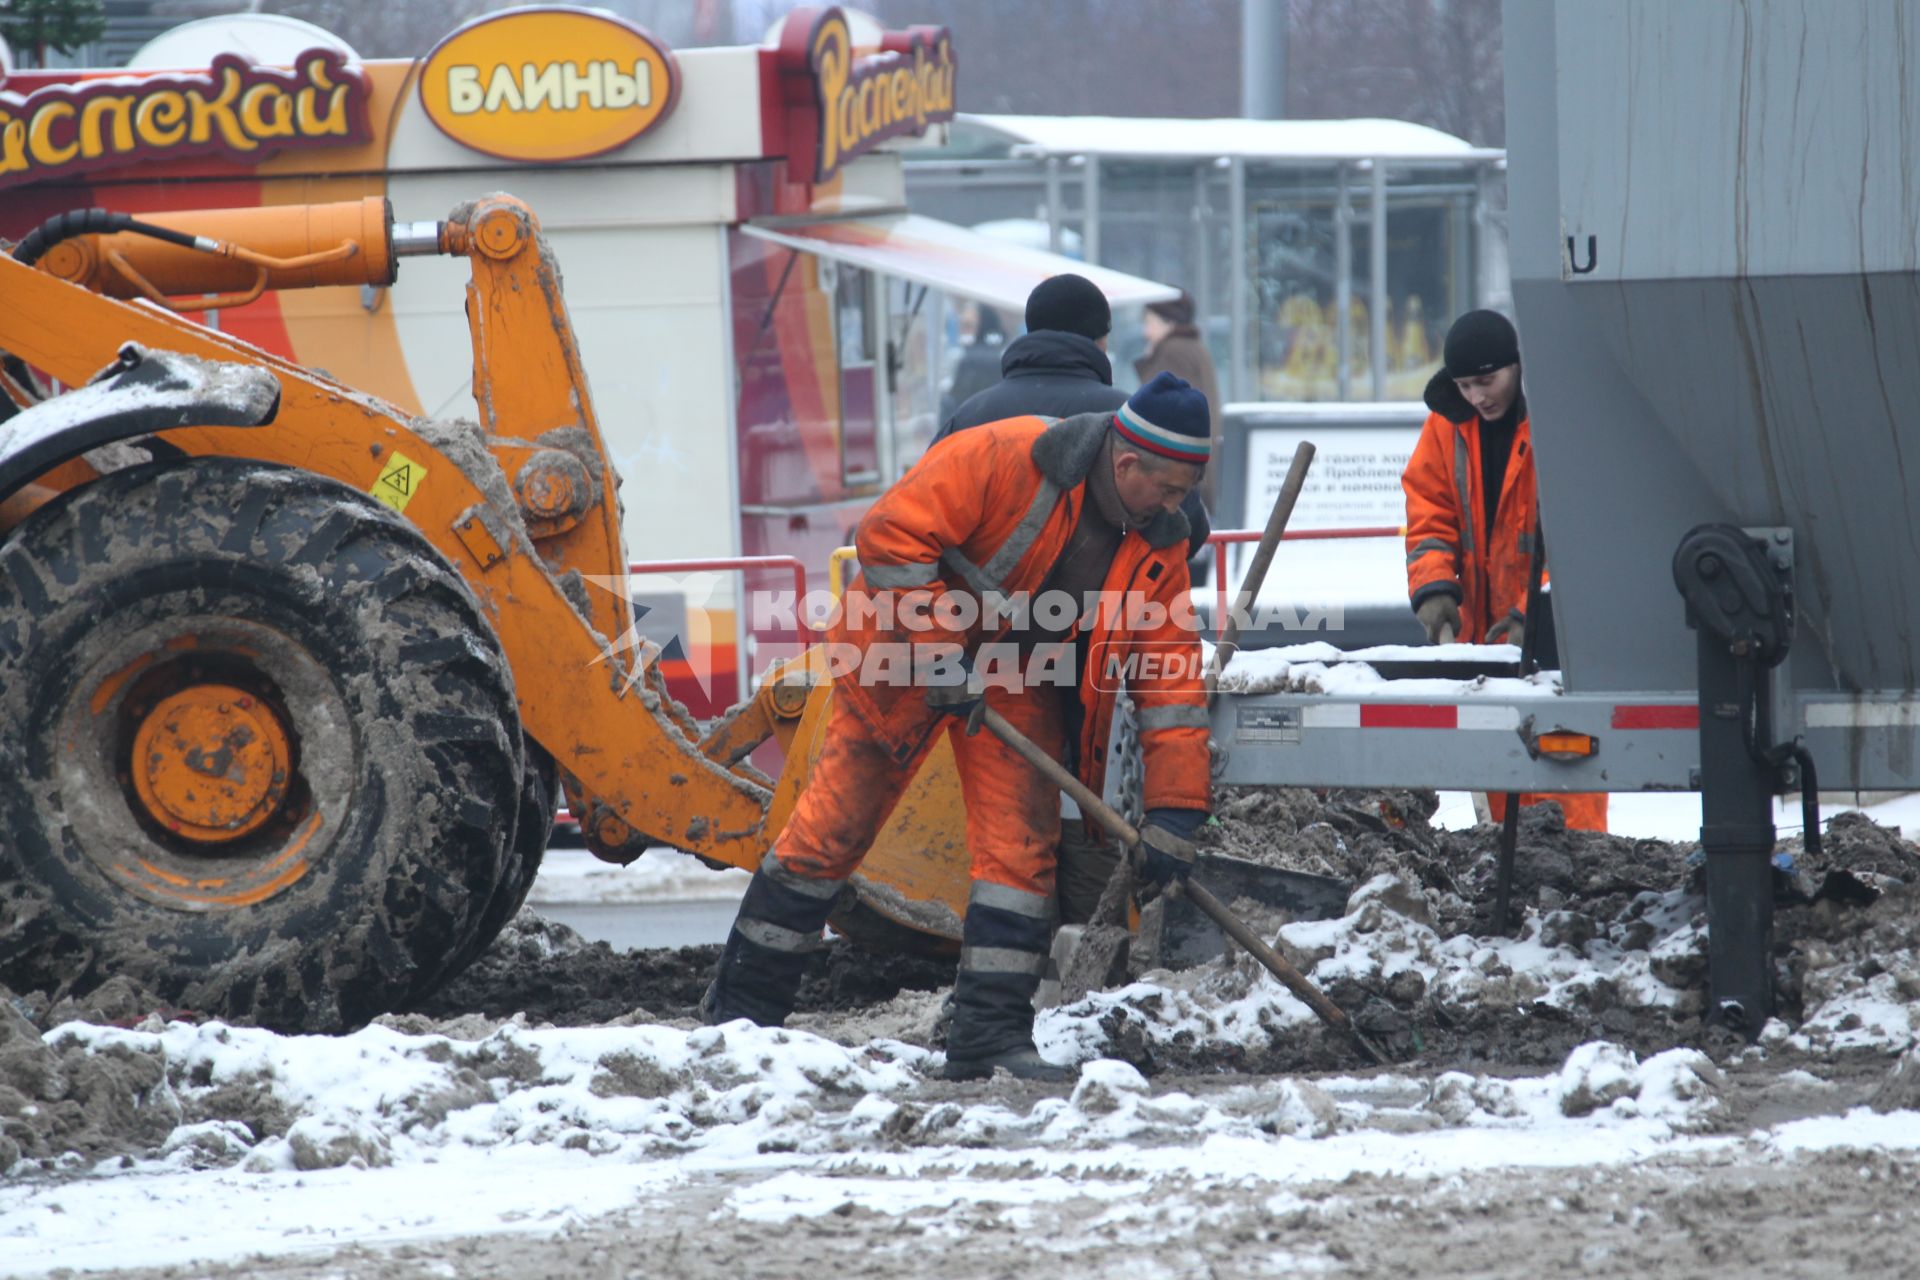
column 1071, row 304
column 1480, row 342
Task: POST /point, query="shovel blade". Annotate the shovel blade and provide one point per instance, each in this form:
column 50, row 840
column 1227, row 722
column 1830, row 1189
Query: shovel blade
column 1188, row 937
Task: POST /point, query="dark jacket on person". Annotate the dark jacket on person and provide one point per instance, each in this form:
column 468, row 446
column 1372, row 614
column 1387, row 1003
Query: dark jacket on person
column 1056, row 374
column 979, row 364
column 1049, row 372
column 1183, row 353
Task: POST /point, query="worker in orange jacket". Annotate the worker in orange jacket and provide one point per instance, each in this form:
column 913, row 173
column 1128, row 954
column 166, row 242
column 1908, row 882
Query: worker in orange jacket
column 1473, row 508
column 1037, row 566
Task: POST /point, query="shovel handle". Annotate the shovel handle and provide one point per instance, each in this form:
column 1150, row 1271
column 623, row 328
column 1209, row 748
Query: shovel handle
column 1276, row 964
column 1256, row 574
column 1056, row 773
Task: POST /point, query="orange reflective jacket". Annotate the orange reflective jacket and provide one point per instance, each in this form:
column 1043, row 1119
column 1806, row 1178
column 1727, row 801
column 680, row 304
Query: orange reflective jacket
column 1449, row 549
column 985, row 513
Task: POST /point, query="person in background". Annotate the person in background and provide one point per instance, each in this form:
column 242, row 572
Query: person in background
column 1174, row 345
column 983, row 339
column 1059, row 368
column 1473, row 507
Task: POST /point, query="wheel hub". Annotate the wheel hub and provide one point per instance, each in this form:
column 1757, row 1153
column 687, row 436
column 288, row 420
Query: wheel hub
column 211, row 762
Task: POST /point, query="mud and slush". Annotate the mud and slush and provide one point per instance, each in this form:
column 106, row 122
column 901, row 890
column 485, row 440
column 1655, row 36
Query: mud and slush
column 1577, row 891
column 1822, row 1218
column 1609, row 946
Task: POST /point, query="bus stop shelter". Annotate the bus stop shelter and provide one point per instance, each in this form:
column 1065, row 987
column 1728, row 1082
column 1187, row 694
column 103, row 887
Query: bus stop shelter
column 1269, row 224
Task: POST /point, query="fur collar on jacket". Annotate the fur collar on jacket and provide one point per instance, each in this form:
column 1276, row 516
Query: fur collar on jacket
column 1444, row 398
column 1065, row 454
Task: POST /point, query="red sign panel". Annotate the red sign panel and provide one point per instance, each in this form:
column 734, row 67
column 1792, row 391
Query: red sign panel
column 233, row 109
column 843, row 105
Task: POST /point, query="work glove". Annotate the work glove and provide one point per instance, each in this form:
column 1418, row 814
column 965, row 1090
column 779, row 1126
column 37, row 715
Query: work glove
column 1166, row 845
column 963, row 697
column 1440, row 615
column 1511, row 629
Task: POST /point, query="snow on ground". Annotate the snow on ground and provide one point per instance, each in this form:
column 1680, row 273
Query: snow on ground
column 413, row 1129
column 402, row 1136
column 416, row 1130
column 1385, row 942
column 1675, row 815
column 659, row 875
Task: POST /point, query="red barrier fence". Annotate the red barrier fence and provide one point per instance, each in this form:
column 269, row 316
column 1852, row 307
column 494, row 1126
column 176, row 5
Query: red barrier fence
column 1221, row 537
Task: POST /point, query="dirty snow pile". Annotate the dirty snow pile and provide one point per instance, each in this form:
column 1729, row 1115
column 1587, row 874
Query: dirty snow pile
column 580, row 1088
column 120, row 1142
column 215, row 1095
column 1526, row 999
column 399, row 1130
column 1610, row 944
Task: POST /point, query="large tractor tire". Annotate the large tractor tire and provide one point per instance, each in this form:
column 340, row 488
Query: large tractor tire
column 264, row 755
column 538, row 790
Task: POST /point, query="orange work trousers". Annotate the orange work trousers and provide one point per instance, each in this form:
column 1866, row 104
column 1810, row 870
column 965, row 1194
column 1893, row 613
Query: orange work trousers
column 1013, row 814
column 1585, row 810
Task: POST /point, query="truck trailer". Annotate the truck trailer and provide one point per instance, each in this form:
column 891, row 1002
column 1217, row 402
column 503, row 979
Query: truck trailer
column 1714, row 255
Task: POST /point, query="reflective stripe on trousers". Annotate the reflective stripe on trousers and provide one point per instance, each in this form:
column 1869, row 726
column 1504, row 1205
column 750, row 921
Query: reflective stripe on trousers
column 1001, row 960
column 1007, row 930
column 784, row 911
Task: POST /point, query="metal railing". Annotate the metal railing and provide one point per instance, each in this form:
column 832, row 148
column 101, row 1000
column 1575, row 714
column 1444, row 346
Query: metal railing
column 1220, row 538
column 792, row 564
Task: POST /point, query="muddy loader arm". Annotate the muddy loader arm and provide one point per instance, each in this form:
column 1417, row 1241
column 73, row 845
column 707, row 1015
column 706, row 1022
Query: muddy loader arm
column 525, row 508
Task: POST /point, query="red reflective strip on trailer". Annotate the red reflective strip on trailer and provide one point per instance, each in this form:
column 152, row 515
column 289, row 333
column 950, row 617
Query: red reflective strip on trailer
column 1400, row 715
column 1684, row 716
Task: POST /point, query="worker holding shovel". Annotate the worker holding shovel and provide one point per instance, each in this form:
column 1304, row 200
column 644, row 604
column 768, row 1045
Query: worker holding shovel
column 1072, row 528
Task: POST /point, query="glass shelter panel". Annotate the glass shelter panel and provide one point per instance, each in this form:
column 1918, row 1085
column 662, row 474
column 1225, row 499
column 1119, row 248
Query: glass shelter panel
column 1296, row 254
column 1173, row 218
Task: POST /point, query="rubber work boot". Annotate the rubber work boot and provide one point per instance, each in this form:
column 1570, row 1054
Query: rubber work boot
column 766, row 955
column 1003, row 953
column 1023, row 1063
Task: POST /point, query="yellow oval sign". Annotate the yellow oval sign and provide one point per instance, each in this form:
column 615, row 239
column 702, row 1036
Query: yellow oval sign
column 548, row 84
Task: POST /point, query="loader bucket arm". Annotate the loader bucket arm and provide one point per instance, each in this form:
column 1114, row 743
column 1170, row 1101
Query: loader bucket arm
column 641, row 777
column 528, row 381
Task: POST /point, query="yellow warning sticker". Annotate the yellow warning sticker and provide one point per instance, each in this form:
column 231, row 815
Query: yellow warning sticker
column 399, row 480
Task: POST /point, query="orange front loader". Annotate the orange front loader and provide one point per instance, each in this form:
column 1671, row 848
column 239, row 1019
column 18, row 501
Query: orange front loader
column 287, row 677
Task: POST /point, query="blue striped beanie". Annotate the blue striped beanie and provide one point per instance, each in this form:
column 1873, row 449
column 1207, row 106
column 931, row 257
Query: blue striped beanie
column 1167, row 417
